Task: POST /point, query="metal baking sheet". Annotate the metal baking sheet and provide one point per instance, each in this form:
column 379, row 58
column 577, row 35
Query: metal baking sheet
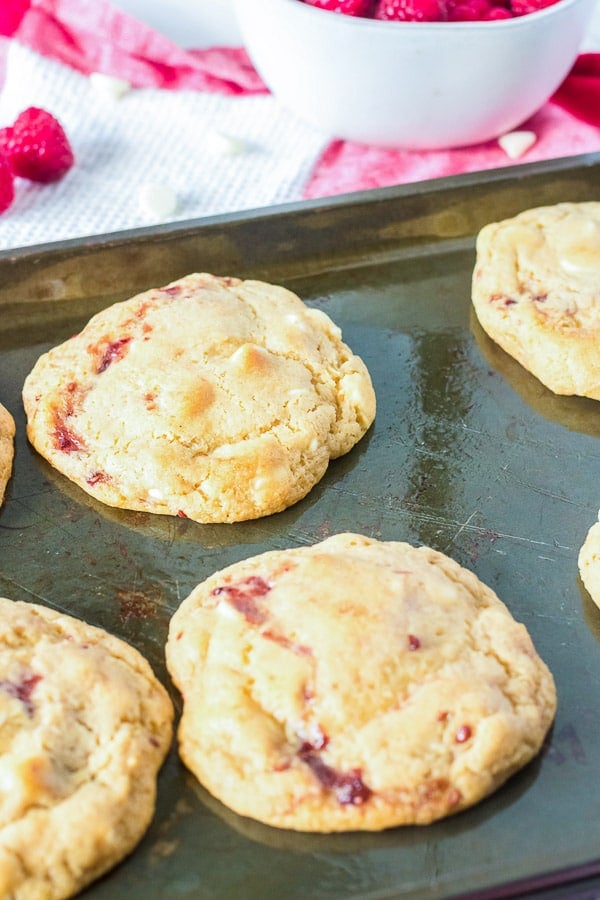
column 468, row 453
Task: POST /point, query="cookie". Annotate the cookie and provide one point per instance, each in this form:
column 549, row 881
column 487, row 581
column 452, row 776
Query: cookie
column 588, row 562
column 354, row 685
column 84, row 728
column 214, row 399
column 535, row 292
column 7, row 448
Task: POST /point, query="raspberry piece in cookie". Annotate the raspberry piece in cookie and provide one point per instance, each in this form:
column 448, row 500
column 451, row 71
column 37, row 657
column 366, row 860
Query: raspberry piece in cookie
column 354, row 684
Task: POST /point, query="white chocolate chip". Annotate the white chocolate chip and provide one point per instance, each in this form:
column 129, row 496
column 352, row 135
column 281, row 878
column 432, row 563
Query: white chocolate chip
column 298, row 322
column 225, row 451
column 517, row 143
column 577, row 244
column 157, row 201
column 222, row 144
column 352, row 388
column 208, row 488
column 243, row 352
column 9, row 782
column 108, row 87
column 227, row 610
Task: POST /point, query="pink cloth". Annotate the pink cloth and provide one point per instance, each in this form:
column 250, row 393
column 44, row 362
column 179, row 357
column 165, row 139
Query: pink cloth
column 580, row 91
column 93, row 36
column 345, row 166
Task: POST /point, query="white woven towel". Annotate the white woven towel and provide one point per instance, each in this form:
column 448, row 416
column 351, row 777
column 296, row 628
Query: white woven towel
column 218, row 154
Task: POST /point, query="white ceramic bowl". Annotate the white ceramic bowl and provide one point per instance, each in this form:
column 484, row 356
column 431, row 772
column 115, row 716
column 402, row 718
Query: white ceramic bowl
column 417, row 85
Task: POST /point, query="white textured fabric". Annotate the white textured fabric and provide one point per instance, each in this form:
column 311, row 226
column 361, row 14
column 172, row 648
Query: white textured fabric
column 149, row 136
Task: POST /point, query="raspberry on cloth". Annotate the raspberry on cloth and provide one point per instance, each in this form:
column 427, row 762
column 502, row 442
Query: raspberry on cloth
column 36, row 146
column 7, row 187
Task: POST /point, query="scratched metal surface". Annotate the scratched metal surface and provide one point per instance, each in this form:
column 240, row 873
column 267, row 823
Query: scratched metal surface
column 468, row 454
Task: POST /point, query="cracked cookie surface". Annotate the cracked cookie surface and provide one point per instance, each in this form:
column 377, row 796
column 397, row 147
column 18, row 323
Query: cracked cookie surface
column 214, row 399
column 84, row 728
column 589, row 562
column 354, row 685
column 535, row 292
column 7, row 448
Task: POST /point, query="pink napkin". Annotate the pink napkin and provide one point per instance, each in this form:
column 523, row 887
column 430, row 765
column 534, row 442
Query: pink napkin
column 345, row 166
column 93, row 36
column 580, row 91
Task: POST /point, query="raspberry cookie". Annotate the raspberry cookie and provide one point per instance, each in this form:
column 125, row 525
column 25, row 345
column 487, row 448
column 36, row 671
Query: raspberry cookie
column 535, row 292
column 7, row 448
column 212, row 398
column 589, row 562
column 84, row 728
column 354, row 684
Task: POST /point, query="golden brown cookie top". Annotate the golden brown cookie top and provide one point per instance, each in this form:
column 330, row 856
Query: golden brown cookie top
column 535, row 292
column 354, row 684
column 84, row 727
column 548, row 257
column 210, row 398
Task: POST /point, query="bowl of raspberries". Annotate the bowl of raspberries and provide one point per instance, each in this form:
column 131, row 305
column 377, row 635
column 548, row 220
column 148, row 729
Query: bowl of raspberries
column 414, row 74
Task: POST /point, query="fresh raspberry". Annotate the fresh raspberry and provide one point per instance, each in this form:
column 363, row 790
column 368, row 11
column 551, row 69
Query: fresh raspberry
column 11, row 14
column 37, row 146
column 468, row 10
column 497, row 12
column 410, row 10
column 347, row 7
column 7, row 188
column 477, row 11
column 5, row 134
column 523, row 7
